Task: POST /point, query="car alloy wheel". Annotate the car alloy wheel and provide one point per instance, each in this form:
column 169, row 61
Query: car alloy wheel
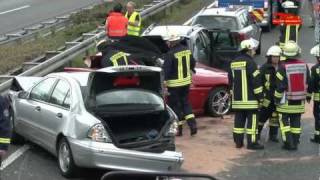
column 65, row 159
column 219, row 102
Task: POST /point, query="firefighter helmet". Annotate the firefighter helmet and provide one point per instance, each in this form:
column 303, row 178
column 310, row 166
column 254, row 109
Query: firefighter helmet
column 274, row 51
column 315, row 51
column 291, row 49
column 288, row 4
column 249, row 44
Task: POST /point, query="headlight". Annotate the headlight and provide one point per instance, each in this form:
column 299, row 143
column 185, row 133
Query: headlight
column 172, row 131
column 98, row 133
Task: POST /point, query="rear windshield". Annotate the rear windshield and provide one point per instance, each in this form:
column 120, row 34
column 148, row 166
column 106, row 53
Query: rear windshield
column 217, row 22
column 129, row 97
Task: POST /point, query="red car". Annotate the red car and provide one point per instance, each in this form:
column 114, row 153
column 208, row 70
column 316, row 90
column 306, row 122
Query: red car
column 208, row 93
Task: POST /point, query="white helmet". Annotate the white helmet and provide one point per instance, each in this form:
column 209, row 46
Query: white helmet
column 274, row 51
column 249, row 44
column 315, row 51
column 288, row 4
column 291, row 49
column 171, row 36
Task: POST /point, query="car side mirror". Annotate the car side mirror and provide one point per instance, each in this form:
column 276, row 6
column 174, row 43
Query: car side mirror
column 127, row 175
column 23, row 95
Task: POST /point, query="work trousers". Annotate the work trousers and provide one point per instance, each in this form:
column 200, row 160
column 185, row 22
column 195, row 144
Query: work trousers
column 241, row 118
column 316, row 114
column 179, row 102
column 265, row 114
column 290, row 127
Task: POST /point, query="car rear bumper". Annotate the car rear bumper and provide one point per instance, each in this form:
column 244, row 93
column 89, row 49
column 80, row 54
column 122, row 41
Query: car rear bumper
column 91, row 154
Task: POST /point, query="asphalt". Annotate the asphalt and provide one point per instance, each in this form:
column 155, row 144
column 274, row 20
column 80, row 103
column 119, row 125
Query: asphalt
column 17, row 14
column 271, row 163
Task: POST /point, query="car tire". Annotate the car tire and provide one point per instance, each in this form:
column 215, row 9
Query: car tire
column 66, row 163
column 15, row 138
column 218, row 102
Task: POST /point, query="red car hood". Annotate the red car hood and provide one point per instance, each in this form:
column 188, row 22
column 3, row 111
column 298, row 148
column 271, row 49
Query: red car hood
column 208, row 76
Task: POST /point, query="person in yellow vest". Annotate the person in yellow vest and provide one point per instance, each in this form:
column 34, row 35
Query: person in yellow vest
column 134, row 19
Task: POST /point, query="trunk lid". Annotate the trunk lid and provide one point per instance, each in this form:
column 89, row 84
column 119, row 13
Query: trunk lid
column 125, row 77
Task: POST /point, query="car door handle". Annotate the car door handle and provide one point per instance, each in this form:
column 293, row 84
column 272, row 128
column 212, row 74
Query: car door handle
column 38, row 108
column 59, row 115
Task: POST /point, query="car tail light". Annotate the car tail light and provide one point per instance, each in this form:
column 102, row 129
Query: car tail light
column 172, row 131
column 126, row 81
column 99, row 134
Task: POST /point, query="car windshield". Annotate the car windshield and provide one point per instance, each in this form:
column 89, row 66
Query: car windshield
column 124, row 97
column 216, row 22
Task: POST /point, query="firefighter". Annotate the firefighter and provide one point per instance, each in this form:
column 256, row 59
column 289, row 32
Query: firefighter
column 268, row 110
column 5, row 127
column 289, row 31
column 111, row 56
column 177, row 66
column 291, row 92
column 315, row 89
column 134, row 18
column 247, row 95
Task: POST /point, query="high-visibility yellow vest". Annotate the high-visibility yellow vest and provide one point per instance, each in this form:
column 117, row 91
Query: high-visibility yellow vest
column 134, row 30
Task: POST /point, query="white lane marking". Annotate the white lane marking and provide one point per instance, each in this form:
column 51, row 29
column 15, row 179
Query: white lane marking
column 16, row 9
column 14, row 156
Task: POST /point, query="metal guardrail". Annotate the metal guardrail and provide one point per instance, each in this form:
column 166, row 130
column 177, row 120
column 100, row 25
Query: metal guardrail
column 56, row 59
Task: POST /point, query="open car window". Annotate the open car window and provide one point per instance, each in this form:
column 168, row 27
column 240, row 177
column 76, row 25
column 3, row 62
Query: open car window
column 223, row 40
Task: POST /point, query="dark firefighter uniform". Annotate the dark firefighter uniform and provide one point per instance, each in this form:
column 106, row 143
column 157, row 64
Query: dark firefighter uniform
column 5, row 127
column 178, row 65
column 114, row 58
column 291, row 82
column 246, row 89
column 315, row 89
column 268, row 110
column 288, row 32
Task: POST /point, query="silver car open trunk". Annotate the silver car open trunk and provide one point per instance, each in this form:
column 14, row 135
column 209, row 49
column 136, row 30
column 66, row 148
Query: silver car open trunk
column 132, row 107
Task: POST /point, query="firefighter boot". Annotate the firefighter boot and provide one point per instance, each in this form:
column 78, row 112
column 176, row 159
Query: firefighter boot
column 315, row 139
column 289, row 144
column 179, row 133
column 296, row 140
column 255, row 146
column 260, row 127
column 273, row 134
column 193, row 126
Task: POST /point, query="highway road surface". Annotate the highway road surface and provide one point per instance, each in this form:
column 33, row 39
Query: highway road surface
column 29, row 162
column 17, row 14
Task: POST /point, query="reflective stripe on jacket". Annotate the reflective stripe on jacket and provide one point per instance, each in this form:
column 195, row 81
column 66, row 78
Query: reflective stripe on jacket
column 134, row 30
column 286, row 105
column 178, row 65
column 245, row 83
column 268, row 76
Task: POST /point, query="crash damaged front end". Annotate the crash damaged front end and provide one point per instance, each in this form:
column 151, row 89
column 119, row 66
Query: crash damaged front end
column 137, row 129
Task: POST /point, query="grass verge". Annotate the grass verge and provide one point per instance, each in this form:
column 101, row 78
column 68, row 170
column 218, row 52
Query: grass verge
column 12, row 56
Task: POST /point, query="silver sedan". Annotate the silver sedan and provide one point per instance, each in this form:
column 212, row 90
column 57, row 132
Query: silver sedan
column 113, row 118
